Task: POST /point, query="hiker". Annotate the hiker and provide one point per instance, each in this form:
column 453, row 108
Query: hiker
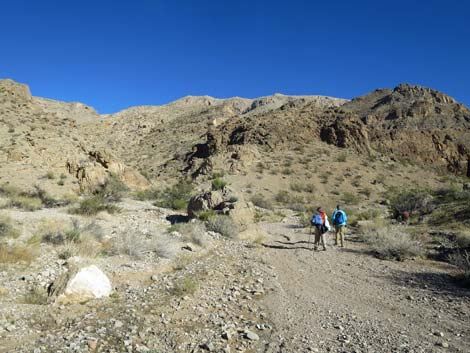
column 320, row 221
column 339, row 220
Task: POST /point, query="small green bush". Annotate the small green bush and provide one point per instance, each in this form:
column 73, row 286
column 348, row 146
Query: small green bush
column 412, row 201
column 185, row 286
column 26, row 203
column 113, row 189
column 218, row 184
column 223, row 225
column 205, row 215
column 283, row 197
column 50, row 175
column 260, row 201
column 149, row 194
column 176, row 197
column 350, row 198
column 92, row 206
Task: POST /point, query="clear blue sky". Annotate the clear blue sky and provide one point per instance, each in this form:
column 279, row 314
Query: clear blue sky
column 116, row 54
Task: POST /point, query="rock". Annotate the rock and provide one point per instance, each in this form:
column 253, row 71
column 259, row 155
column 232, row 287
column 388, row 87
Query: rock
column 208, row 346
column 204, row 202
column 78, row 285
column 93, row 173
column 442, row 344
column 251, row 335
column 92, row 345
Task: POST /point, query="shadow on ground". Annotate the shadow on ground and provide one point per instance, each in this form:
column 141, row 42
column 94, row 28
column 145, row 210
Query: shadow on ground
column 177, row 218
column 439, row 283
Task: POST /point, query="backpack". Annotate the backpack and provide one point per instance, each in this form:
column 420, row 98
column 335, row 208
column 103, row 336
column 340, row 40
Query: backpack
column 316, row 219
column 340, row 218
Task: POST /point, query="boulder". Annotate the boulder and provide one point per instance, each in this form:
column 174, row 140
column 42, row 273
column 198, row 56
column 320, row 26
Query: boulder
column 79, row 285
column 204, row 202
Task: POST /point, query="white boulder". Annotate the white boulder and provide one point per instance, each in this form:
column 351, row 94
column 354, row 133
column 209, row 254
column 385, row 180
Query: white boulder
column 88, row 283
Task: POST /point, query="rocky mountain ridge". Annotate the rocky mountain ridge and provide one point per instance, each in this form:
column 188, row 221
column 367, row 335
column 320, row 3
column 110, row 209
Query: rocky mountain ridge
column 196, row 134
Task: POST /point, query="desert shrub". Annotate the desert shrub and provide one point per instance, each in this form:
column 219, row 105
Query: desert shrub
column 17, row 253
column 35, row 296
column 50, row 175
column 46, row 199
column 286, row 171
column 132, row 243
column 260, row 201
column 218, row 184
column 176, row 197
column 60, row 182
column 26, row 203
column 412, row 201
column 186, row 285
column 350, row 198
column 310, row 187
column 149, row 194
column 367, row 215
column 260, row 167
column 205, row 215
column 6, row 228
column 165, row 248
column 113, row 189
column 366, row 192
column 223, row 225
column 297, row 187
column 92, row 206
column 9, row 190
column 342, row 157
column 461, row 259
column 392, row 242
column 282, row 197
column 195, row 232
column 297, row 207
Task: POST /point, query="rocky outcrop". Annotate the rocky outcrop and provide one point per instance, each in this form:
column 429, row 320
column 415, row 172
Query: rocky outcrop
column 409, row 121
column 12, row 90
column 222, row 202
column 93, row 172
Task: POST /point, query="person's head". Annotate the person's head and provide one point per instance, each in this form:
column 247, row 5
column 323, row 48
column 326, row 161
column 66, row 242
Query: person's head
column 319, row 209
column 338, row 207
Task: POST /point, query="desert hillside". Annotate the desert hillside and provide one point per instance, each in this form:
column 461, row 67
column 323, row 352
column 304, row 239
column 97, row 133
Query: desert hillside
column 185, row 227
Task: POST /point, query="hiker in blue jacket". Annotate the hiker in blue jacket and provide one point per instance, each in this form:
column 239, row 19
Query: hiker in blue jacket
column 339, row 220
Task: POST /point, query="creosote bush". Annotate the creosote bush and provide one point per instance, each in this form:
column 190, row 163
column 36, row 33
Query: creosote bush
column 92, row 206
column 392, row 242
column 113, row 190
column 260, row 201
column 223, row 225
column 176, row 197
column 6, row 228
column 17, row 253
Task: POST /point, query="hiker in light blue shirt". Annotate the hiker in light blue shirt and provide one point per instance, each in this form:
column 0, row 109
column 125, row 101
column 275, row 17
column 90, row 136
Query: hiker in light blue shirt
column 339, row 220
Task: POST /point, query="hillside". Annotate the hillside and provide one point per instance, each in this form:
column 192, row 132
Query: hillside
column 187, row 225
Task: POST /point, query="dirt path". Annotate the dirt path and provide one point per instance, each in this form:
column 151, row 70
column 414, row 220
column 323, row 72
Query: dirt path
column 345, row 300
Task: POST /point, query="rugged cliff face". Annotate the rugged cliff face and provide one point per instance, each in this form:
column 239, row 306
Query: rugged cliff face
column 409, row 121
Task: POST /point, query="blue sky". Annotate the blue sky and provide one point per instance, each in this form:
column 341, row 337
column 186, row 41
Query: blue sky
column 116, row 54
